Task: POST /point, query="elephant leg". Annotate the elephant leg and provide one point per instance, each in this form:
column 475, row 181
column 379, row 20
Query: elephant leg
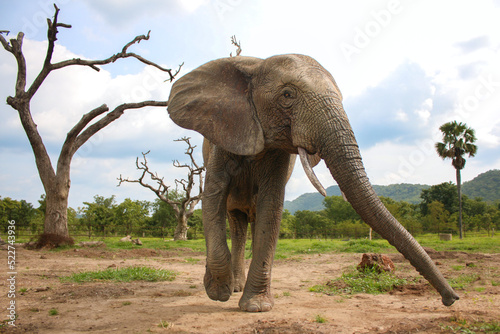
column 218, row 278
column 238, row 223
column 257, row 293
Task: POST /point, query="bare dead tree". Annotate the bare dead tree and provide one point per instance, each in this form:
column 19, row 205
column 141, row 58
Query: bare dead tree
column 184, row 207
column 56, row 182
column 237, row 44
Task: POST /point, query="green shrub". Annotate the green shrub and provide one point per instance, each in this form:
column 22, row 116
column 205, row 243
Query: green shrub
column 122, row 275
column 354, row 281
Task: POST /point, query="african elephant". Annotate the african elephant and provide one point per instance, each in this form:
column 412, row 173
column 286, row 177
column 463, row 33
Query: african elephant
column 256, row 114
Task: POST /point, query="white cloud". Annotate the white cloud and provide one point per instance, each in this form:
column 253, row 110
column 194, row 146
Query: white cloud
column 425, row 111
column 401, row 116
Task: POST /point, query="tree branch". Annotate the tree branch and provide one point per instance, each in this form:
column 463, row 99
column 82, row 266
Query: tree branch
column 86, row 118
column 188, row 203
column 15, row 47
column 123, row 54
column 237, row 44
column 161, row 190
column 4, row 42
column 47, row 66
column 68, row 148
column 110, row 117
column 52, row 38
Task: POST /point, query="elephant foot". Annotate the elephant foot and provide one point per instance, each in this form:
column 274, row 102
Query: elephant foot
column 257, row 303
column 218, row 287
column 239, row 283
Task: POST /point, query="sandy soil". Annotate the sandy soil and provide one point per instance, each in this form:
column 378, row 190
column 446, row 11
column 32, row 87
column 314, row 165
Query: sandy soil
column 140, row 307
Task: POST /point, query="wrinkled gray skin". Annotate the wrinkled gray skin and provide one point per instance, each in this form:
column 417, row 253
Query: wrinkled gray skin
column 256, row 115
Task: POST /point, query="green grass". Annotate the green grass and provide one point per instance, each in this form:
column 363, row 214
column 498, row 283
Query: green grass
column 366, row 246
column 122, row 275
column 155, row 243
column 297, row 247
column 463, row 280
column 320, row 319
column 470, row 243
column 53, row 312
column 163, row 324
column 354, row 281
column 471, row 327
column 192, row 260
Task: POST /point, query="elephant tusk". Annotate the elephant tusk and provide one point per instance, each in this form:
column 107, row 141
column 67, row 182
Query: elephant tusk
column 343, row 196
column 304, row 159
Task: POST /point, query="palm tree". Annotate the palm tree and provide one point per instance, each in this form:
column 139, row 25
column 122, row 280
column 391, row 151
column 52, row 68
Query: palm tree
column 458, row 140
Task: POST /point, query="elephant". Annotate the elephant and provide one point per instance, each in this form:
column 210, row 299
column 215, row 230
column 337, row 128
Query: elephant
column 256, row 115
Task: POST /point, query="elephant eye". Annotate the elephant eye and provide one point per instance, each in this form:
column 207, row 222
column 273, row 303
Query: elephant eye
column 287, row 97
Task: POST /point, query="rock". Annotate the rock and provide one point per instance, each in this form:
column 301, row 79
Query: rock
column 128, row 238
column 378, row 262
column 137, row 242
column 445, row 236
column 91, row 244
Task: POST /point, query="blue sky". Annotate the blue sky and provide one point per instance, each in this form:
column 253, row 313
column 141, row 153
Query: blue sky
column 404, row 68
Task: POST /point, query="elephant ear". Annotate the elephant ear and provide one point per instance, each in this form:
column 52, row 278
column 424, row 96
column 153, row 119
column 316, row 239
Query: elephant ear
column 214, row 100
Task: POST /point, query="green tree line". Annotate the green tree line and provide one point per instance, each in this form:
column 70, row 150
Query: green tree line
column 103, row 217
column 436, row 213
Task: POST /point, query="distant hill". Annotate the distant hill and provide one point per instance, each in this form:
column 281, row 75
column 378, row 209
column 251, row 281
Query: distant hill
column 486, row 185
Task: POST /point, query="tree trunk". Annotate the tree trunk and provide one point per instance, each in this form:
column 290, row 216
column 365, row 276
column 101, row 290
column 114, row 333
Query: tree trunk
column 56, row 214
column 182, row 228
column 459, row 189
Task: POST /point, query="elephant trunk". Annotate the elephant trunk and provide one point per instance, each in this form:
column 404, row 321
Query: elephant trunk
column 341, row 154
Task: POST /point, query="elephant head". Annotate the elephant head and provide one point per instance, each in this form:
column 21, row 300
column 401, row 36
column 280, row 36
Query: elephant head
column 290, row 102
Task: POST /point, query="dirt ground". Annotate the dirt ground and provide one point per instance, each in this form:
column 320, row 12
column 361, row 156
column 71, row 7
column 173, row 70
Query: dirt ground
column 183, row 307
